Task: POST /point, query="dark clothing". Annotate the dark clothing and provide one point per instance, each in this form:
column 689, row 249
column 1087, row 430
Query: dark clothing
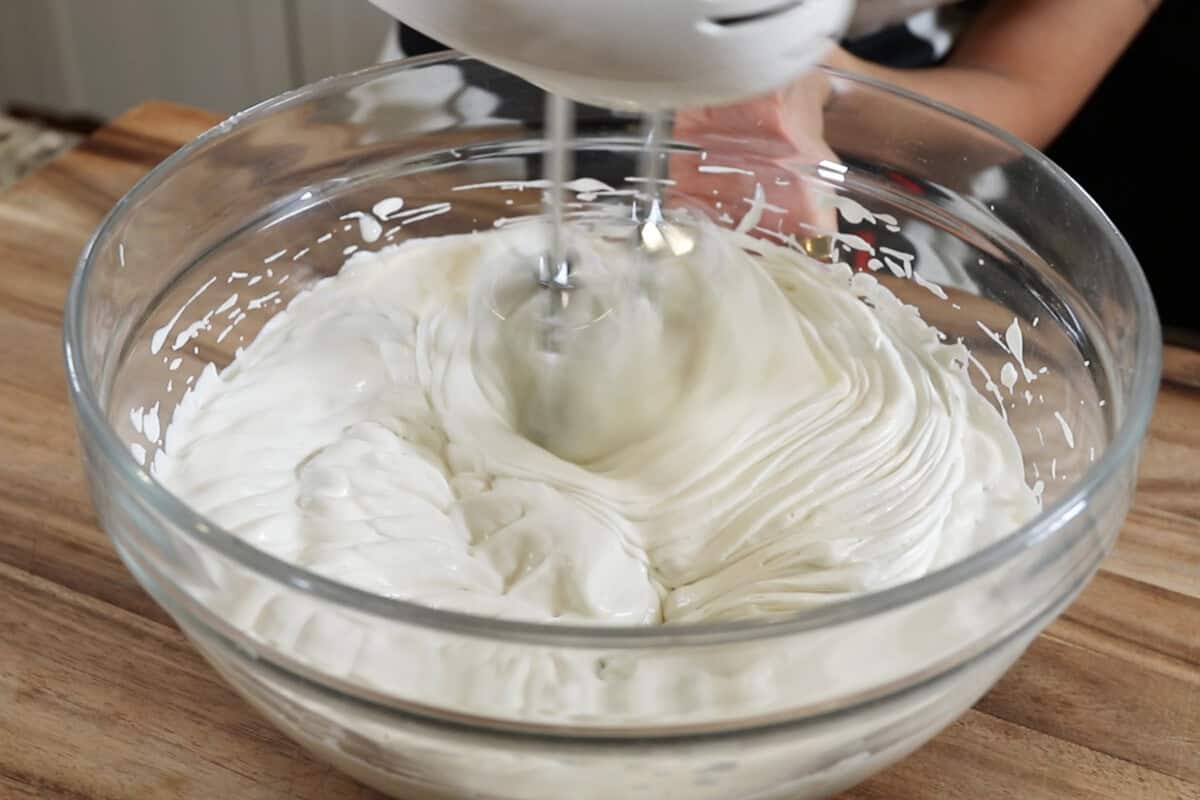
column 898, row 46
column 1133, row 148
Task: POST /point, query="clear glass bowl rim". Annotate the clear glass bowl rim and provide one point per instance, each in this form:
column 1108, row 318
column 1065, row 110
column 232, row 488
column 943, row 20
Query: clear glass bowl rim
column 137, row 480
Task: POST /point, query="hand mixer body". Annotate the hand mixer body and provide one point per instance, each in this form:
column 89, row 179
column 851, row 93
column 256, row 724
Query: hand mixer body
column 638, row 54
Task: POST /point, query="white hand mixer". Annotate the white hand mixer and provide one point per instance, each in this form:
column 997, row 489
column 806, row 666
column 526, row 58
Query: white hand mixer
column 649, row 56
column 639, row 55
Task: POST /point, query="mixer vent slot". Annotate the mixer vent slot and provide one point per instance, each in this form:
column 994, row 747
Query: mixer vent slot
column 755, row 16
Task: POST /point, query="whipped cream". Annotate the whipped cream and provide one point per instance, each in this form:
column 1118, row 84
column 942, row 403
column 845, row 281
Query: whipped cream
column 768, row 434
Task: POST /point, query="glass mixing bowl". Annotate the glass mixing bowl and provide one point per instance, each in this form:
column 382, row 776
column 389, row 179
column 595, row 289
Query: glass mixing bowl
column 985, row 236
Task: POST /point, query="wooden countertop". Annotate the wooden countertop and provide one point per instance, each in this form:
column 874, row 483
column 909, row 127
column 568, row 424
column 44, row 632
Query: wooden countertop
column 101, row 697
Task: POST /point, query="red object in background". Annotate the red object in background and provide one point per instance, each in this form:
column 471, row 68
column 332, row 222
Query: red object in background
column 859, row 258
column 904, row 182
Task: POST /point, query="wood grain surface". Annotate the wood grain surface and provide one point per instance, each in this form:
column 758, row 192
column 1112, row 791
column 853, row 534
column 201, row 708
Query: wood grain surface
column 101, row 697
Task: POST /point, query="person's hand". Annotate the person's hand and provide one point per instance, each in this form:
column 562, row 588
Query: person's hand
column 767, row 146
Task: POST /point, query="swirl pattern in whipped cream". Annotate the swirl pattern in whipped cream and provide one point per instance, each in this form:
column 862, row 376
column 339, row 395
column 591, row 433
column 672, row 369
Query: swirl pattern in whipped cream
column 768, row 433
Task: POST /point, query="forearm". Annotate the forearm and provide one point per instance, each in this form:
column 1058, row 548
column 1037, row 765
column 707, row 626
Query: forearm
column 994, row 97
column 1025, row 65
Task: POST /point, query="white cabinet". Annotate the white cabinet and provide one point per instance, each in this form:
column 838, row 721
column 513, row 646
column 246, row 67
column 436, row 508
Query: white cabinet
column 103, row 56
